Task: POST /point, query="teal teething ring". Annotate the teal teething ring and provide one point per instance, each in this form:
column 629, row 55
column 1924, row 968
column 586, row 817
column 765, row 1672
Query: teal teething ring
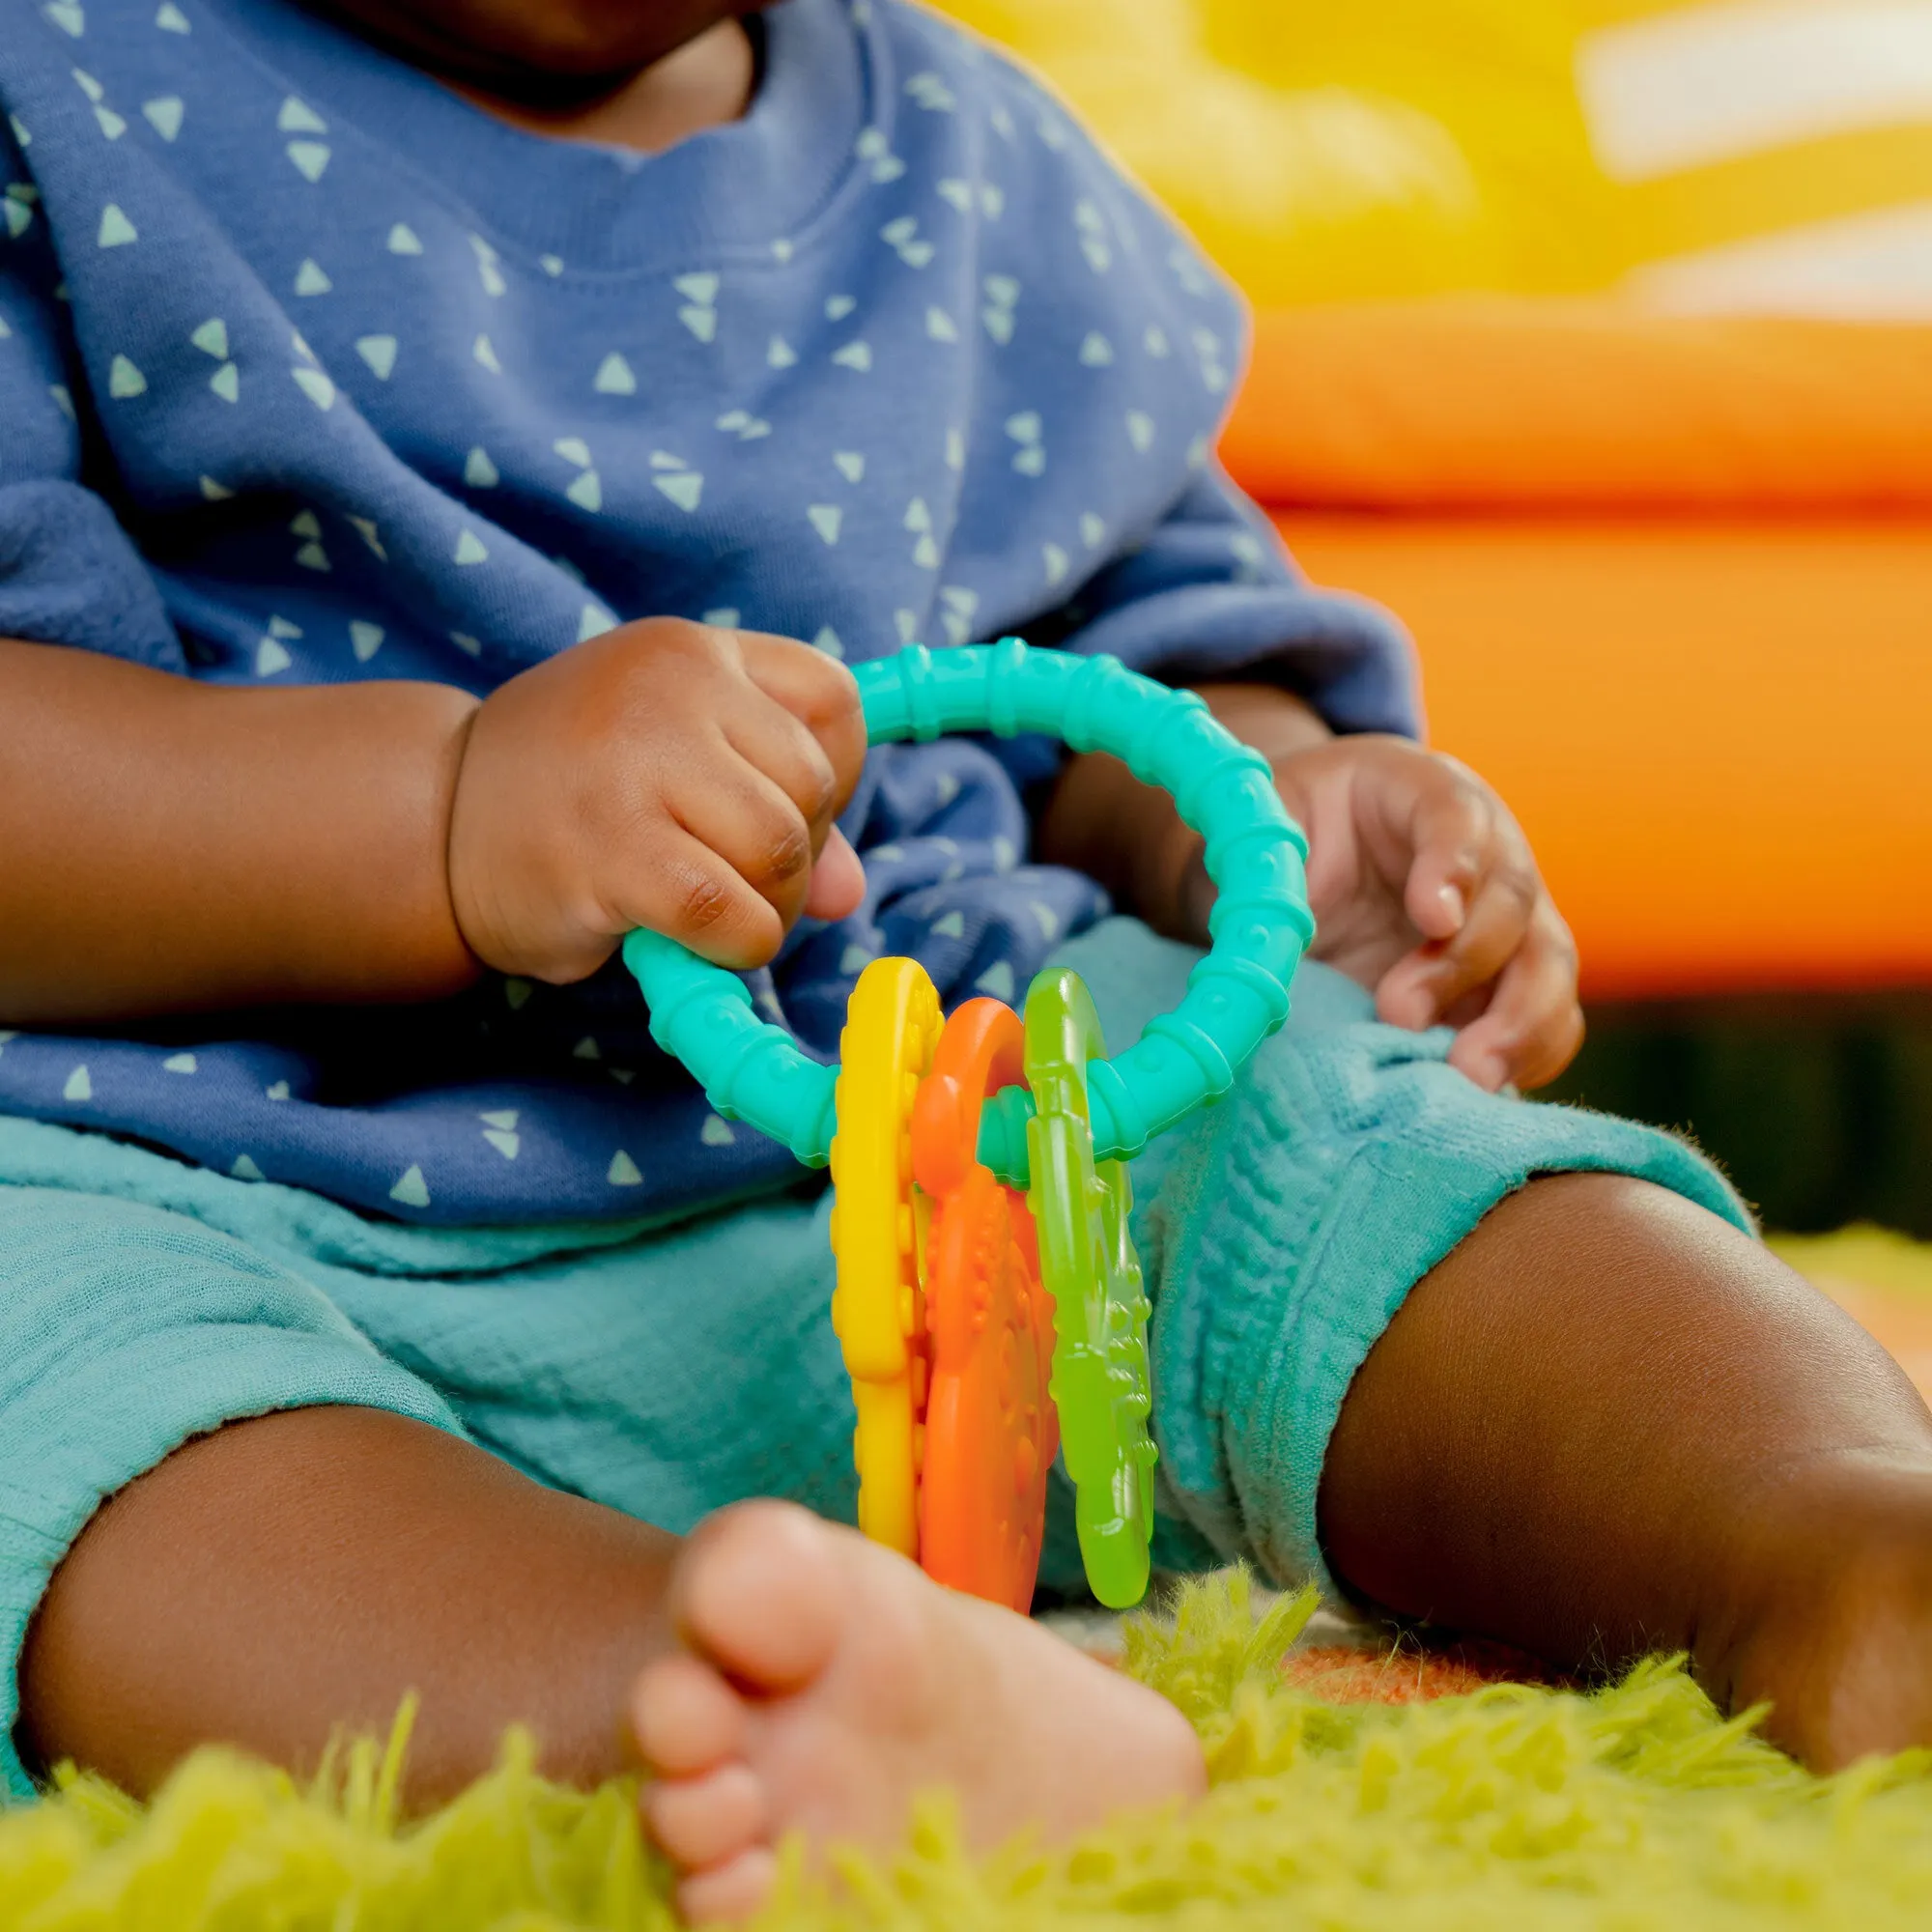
column 1237, row 995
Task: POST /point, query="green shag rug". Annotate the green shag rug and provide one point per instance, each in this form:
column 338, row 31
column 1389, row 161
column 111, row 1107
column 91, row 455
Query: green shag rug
column 1632, row 1808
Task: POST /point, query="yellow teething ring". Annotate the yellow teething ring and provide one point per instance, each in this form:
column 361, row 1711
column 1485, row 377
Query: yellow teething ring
column 892, row 1028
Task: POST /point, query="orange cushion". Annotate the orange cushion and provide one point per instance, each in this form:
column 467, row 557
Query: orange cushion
column 1549, row 405
column 1717, row 733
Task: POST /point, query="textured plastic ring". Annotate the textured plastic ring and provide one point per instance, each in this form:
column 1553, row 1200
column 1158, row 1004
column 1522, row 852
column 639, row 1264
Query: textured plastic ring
column 1237, row 995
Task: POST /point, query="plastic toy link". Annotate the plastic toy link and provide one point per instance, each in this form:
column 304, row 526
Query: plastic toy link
column 981, row 1329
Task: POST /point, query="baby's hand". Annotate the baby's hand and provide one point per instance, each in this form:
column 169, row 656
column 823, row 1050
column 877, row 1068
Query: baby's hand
column 665, row 775
column 1424, row 889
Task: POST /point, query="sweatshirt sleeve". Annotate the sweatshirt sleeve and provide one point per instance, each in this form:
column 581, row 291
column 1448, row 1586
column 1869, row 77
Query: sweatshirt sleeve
column 1213, row 595
column 69, row 573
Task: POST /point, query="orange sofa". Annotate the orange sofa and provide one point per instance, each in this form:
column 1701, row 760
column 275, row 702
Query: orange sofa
column 1671, row 583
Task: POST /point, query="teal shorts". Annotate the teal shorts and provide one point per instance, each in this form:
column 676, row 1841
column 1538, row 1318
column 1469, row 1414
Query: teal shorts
column 669, row 1369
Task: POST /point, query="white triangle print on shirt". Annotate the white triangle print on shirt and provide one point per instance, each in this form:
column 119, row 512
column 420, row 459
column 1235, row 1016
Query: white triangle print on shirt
column 298, row 118
column 80, row 1086
column 550, row 265
column 116, row 231
column 404, row 240
column 1056, row 562
column 615, row 376
column 701, row 322
column 171, row 19
column 854, row 355
column 853, row 962
column 311, row 281
column 271, row 658
column 280, row 627
column 624, row 1171
column 244, row 1169
column 851, row 464
column 304, row 524
column 717, row 1132
column 941, row 327
column 504, row 1120
column 211, row 338
column 470, row 646
column 68, row 17
column 593, row 623
column 839, row 307
column 317, row 386
column 702, row 290
column 1140, row 430
column 952, row 927
column 125, row 380
column 827, row 518
column 164, row 115
column 1048, row 920
column 685, row 489
column 111, row 124
column 469, row 549
column 479, row 471
column 213, row 492
column 505, row 1140
column 365, row 528
column 781, row 354
column 380, row 353
column 311, row 158
column 586, row 492
column 997, row 980
column 958, row 192
column 180, row 1063
column 365, row 639
column 1096, row 352
column 573, row 449
column 312, row 557
column 411, row 1190
column 278, row 1091
column 828, row 642
column 487, row 356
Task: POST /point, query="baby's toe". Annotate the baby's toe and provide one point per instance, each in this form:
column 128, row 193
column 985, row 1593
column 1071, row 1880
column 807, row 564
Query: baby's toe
column 701, row 1823
column 761, row 1590
column 687, row 1720
column 730, row 1891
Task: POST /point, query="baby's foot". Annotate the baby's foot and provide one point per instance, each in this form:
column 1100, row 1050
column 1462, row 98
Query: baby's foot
column 824, row 1682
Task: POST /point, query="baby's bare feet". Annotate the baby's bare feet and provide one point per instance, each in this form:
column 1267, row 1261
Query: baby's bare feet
column 1838, row 1638
column 824, row 1682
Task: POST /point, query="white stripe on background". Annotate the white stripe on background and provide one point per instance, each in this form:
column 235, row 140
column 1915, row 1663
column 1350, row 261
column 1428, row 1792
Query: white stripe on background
column 1713, row 83
column 1861, row 267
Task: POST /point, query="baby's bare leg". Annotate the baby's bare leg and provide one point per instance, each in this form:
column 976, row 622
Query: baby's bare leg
column 1607, row 1424
column 287, row 1574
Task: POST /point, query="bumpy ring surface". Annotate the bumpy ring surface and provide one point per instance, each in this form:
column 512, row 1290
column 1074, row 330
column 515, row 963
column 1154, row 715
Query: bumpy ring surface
column 1237, row 995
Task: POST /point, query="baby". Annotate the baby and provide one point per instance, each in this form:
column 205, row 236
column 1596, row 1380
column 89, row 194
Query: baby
column 450, row 445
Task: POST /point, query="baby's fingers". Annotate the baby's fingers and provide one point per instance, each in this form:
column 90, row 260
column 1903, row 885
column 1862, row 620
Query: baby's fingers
column 1533, row 1025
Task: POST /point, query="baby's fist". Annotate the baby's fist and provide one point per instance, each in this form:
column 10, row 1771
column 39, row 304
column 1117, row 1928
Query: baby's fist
column 665, row 775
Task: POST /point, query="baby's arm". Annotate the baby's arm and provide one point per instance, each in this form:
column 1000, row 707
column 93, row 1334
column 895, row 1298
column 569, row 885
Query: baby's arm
column 173, row 845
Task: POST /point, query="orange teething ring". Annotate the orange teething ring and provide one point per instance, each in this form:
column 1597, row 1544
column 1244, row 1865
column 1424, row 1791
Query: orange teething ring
column 991, row 1430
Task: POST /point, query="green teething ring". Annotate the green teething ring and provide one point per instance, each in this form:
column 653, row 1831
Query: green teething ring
column 1087, row 1260
column 1237, row 995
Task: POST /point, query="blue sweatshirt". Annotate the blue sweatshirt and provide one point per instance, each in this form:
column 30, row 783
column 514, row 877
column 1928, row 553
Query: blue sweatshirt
column 310, row 372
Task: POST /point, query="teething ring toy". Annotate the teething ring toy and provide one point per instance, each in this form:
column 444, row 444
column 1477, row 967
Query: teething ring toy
column 1065, row 1139
column 892, row 1026
column 990, row 1426
column 1087, row 1260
